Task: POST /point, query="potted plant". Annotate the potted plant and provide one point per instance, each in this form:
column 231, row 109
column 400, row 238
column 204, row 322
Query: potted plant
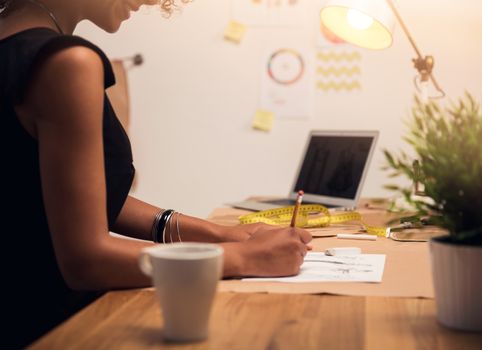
column 447, row 163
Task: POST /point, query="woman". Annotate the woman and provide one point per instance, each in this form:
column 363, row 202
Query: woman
column 68, row 167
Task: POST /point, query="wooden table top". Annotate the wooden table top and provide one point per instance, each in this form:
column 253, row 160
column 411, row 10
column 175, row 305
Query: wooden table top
column 132, row 319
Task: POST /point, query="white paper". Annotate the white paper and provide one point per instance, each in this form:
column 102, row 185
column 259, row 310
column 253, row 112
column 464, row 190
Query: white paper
column 287, row 82
column 319, row 267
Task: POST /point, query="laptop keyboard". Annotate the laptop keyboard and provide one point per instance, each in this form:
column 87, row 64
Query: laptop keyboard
column 288, row 202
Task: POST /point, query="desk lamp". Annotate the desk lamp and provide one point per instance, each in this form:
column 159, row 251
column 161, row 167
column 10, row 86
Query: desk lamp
column 369, row 24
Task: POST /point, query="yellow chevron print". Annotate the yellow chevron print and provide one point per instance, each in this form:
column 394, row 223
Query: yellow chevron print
column 339, row 56
column 342, row 85
column 328, row 71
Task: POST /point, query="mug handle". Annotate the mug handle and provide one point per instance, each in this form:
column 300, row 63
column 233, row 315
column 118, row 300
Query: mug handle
column 145, row 263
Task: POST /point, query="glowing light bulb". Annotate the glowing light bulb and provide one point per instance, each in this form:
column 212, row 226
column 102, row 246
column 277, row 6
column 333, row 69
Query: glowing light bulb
column 358, row 20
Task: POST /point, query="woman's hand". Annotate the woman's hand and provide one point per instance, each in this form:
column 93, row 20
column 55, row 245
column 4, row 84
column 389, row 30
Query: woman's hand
column 241, row 233
column 269, row 251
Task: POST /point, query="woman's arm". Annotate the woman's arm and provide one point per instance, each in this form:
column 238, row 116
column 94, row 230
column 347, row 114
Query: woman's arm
column 65, row 99
column 267, row 250
column 136, row 219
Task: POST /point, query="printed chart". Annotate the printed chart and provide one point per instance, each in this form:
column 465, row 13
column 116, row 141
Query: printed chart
column 286, row 84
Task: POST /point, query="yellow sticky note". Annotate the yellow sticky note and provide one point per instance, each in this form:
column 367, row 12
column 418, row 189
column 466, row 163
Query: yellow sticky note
column 263, row 120
column 234, row 32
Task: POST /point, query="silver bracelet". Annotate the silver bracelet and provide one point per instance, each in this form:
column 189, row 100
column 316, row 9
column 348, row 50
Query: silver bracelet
column 155, row 224
column 167, row 226
column 170, row 227
column 177, row 226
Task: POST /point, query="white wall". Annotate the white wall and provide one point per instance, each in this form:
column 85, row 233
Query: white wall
column 194, row 98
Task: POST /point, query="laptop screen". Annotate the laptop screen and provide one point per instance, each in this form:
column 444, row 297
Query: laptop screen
column 333, row 165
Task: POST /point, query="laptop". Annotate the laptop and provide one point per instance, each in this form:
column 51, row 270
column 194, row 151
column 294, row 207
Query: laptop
column 331, row 172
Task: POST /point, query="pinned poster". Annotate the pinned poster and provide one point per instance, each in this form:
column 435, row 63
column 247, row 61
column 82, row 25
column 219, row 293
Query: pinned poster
column 338, row 64
column 263, row 120
column 234, row 32
column 290, row 13
column 286, row 83
column 338, row 70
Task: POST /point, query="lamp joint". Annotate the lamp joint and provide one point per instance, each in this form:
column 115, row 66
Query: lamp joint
column 424, row 66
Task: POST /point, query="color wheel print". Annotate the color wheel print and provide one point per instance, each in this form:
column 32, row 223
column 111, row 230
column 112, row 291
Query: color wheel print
column 286, row 66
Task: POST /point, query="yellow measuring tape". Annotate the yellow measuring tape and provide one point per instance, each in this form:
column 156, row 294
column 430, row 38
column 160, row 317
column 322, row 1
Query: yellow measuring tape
column 310, row 216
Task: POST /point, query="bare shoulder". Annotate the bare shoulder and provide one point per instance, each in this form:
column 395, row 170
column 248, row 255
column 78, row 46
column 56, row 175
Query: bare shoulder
column 71, row 79
column 72, row 58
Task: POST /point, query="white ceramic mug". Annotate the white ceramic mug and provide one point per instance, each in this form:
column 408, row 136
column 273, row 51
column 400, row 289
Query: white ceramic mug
column 185, row 276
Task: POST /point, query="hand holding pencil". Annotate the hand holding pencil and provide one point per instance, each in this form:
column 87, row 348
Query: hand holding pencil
column 299, row 199
column 296, row 210
column 278, row 251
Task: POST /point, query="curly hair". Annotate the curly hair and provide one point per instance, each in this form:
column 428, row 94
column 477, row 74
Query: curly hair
column 4, row 4
column 167, row 6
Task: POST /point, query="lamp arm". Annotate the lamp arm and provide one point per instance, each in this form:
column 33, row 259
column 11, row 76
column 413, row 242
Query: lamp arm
column 437, row 87
column 404, row 28
column 423, row 64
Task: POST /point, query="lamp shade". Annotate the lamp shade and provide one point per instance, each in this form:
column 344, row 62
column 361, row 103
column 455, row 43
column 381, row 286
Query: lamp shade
column 365, row 23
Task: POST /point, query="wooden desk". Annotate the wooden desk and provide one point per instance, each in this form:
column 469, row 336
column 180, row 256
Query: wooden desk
column 132, row 320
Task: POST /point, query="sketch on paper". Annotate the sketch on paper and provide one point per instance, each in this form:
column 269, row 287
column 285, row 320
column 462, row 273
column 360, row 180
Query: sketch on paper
column 286, row 85
column 269, row 12
column 318, row 267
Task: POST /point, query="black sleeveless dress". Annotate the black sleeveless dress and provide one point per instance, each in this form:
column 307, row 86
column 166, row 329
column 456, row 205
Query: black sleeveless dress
column 37, row 296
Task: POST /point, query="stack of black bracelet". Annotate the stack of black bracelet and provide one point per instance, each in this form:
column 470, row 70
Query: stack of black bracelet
column 161, row 225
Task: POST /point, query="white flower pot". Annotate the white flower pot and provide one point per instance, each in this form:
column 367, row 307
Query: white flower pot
column 457, row 276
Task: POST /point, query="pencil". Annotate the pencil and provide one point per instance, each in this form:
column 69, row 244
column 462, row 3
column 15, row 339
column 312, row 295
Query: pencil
column 299, row 199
